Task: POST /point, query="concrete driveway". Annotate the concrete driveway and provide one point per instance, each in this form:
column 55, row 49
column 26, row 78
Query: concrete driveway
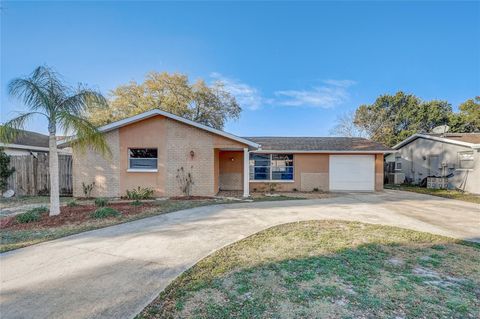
column 116, row 271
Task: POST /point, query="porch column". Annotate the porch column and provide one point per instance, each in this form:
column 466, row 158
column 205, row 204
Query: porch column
column 246, row 173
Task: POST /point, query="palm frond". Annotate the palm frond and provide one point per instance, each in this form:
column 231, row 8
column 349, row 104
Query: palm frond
column 32, row 93
column 11, row 129
column 86, row 134
column 82, row 100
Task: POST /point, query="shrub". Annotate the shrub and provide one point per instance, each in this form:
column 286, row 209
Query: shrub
column 101, row 202
column 31, row 215
column 140, row 193
column 72, row 203
column 105, row 212
column 315, row 189
column 136, row 203
column 87, row 189
column 295, row 190
column 5, row 171
column 185, row 179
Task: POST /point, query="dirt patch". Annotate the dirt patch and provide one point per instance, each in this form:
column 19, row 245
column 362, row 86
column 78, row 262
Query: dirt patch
column 71, row 215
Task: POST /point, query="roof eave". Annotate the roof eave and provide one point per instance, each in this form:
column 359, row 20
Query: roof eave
column 433, row 138
column 155, row 112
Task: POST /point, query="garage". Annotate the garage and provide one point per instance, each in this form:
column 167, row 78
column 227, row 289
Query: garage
column 352, row 173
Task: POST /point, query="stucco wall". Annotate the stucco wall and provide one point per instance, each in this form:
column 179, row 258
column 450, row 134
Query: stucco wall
column 90, row 166
column 415, row 163
column 311, row 171
column 231, row 170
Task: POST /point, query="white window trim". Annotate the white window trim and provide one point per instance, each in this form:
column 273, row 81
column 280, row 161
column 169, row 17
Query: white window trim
column 141, row 170
column 270, row 166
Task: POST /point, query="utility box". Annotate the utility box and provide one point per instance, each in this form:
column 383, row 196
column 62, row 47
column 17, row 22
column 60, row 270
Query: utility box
column 437, row 182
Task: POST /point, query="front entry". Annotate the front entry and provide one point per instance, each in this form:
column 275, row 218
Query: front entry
column 230, row 171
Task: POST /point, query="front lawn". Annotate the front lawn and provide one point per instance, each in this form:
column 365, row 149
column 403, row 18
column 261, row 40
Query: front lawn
column 329, row 269
column 446, row 193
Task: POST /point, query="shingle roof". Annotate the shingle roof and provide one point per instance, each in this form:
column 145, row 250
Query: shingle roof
column 473, row 138
column 31, row 139
column 318, row 144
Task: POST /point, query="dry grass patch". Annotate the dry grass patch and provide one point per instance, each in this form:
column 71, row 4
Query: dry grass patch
column 446, row 193
column 337, row 269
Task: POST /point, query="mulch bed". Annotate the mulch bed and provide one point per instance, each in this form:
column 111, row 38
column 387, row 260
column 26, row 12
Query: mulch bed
column 191, row 198
column 71, row 215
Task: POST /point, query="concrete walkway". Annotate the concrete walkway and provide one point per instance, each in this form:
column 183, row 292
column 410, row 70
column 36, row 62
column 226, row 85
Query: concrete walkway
column 116, row 271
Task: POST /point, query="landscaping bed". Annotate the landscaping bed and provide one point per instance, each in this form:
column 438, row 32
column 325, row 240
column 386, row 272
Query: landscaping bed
column 80, row 218
column 329, row 269
column 446, row 193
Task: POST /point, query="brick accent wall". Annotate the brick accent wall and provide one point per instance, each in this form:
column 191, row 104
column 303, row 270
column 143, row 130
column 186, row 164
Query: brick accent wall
column 91, row 167
column 181, row 140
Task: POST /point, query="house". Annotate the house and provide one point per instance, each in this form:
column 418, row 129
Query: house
column 26, row 143
column 29, row 143
column 157, row 149
column 456, row 155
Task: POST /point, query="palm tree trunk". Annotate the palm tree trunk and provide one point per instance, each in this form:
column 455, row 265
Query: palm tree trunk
column 53, row 167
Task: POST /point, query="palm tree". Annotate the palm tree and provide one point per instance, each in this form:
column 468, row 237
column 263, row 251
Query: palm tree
column 44, row 94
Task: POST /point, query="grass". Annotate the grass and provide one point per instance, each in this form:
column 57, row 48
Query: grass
column 336, row 269
column 26, row 200
column 446, row 193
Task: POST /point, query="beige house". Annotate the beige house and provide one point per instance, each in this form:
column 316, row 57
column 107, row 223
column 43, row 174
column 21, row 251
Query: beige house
column 154, row 148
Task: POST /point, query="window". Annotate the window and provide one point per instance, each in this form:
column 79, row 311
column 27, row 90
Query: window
column 465, row 160
column 398, row 163
column 142, row 159
column 271, row 167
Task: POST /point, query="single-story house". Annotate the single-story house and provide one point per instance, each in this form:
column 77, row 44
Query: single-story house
column 156, row 149
column 29, row 143
column 456, row 155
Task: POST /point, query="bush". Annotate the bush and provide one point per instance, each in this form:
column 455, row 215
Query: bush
column 105, row 212
column 140, row 193
column 136, row 203
column 101, row 202
column 5, row 171
column 72, row 203
column 315, row 189
column 31, row 215
column 87, row 189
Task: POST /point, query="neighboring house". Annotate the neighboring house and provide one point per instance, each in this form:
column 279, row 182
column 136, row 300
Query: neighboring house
column 451, row 154
column 151, row 150
column 26, row 143
column 29, row 143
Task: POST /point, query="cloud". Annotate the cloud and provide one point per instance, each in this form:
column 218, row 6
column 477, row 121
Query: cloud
column 246, row 95
column 332, row 94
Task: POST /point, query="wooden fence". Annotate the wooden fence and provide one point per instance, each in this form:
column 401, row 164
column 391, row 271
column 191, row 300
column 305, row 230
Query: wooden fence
column 32, row 177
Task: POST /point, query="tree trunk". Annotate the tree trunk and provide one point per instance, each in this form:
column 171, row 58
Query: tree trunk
column 54, row 184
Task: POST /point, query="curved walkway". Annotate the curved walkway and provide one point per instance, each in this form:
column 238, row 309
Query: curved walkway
column 116, row 271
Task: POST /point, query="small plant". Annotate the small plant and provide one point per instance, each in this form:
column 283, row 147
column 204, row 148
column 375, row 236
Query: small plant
column 72, row 203
column 87, row 189
column 295, row 190
column 140, row 193
column 185, row 179
column 101, row 202
column 105, row 212
column 315, row 189
column 31, row 215
column 136, row 203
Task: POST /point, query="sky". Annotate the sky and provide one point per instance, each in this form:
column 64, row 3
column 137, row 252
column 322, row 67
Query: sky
column 294, row 67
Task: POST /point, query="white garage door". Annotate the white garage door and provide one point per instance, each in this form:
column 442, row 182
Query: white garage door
column 352, row 172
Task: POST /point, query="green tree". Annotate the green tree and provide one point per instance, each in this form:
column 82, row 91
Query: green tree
column 44, row 94
column 467, row 120
column 392, row 118
column 5, row 170
column 210, row 105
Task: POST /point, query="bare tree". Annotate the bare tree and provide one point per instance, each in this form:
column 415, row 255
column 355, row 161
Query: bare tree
column 345, row 126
